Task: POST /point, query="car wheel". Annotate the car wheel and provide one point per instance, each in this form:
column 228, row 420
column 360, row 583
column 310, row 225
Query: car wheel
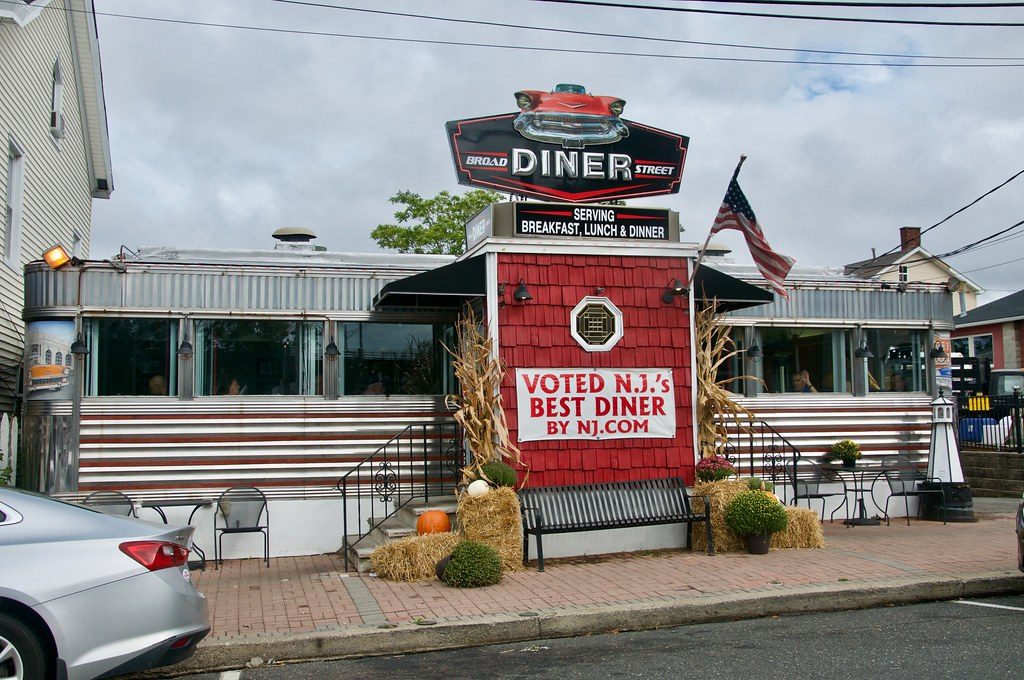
column 21, row 654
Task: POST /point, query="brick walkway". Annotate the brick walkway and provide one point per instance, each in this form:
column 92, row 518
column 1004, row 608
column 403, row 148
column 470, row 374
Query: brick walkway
column 312, row 594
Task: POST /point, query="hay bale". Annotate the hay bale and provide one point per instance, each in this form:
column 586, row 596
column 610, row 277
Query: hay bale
column 493, row 519
column 412, row 558
column 804, row 530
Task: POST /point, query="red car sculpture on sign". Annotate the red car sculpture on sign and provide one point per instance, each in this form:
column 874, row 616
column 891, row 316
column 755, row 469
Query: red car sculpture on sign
column 570, row 116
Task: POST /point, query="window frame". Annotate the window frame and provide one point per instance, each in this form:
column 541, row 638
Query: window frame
column 14, row 203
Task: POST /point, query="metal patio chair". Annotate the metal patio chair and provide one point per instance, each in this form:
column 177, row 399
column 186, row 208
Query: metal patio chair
column 111, row 503
column 904, row 479
column 241, row 510
column 809, row 484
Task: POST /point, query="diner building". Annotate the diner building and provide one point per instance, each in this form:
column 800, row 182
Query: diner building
column 196, row 370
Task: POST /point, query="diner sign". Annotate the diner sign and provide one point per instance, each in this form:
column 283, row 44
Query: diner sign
column 595, row 403
column 610, row 222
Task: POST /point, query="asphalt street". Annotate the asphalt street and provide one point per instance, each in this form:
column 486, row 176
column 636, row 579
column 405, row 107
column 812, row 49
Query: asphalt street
column 952, row 639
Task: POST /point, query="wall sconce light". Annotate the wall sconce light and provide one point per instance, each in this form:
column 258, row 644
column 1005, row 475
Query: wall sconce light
column 754, row 351
column 522, row 293
column 57, row 257
column 598, row 290
column 674, row 290
column 185, row 350
column 937, row 351
column 331, row 352
column 79, row 348
column 863, row 352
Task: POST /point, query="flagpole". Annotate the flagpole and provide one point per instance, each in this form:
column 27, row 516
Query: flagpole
column 700, row 258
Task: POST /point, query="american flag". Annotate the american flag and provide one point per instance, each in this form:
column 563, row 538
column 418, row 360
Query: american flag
column 736, row 213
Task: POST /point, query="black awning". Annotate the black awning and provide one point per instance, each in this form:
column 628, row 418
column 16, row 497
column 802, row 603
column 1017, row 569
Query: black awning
column 729, row 292
column 447, row 286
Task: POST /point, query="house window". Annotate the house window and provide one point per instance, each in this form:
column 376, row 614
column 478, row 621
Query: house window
column 13, row 204
column 899, row 362
column 251, row 356
column 395, row 358
column 130, row 357
column 803, row 360
column 903, row 273
column 57, row 103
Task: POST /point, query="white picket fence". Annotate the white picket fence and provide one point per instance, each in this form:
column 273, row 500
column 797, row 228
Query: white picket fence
column 9, row 446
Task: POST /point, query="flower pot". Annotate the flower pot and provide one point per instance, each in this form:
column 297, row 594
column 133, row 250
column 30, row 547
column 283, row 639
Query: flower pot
column 757, row 544
column 849, row 462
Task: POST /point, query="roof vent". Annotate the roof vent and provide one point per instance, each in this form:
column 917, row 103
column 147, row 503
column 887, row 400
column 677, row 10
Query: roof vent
column 295, row 238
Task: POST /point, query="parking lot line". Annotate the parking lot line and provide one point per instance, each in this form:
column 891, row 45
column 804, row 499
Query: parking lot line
column 989, row 604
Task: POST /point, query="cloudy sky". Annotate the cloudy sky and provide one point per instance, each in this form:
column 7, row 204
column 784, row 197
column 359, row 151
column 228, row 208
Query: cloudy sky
column 221, row 135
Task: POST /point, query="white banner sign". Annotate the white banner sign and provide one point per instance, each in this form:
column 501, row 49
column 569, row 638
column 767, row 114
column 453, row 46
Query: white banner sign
column 595, row 403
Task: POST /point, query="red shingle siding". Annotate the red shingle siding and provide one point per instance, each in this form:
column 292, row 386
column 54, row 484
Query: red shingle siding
column 655, row 335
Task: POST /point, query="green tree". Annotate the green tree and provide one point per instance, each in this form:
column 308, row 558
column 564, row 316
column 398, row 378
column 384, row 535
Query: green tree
column 431, row 225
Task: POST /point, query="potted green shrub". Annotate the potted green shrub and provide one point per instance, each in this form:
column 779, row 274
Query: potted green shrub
column 847, row 451
column 755, row 516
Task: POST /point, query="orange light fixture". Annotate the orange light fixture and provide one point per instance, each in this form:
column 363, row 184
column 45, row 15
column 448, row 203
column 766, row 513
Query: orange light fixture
column 56, row 257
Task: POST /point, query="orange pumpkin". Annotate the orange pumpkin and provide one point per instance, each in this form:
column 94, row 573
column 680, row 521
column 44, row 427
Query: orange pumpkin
column 433, row 522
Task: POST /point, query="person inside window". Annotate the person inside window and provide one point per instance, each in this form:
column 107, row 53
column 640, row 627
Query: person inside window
column 802, row 382
column 233, row 387
column 897, row 383
column 158, row 386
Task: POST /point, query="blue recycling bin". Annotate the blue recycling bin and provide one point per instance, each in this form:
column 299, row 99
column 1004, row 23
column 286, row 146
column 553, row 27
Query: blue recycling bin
column 973, row 429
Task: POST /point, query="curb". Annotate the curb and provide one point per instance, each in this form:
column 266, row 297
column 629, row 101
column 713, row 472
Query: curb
column 405, row 638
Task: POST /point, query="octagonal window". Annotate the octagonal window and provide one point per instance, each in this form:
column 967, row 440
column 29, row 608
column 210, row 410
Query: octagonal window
column 596, row 324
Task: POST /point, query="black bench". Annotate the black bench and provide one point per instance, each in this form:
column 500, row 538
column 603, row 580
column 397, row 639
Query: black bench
column 610, row 505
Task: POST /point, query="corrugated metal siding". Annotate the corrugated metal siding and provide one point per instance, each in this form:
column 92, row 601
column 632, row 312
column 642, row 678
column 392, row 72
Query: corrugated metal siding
column 173, row 288
column 850, row 305
column 882, row 425
column 291, row 448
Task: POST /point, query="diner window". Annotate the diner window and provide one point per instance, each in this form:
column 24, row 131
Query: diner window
column 730, row 370
column 251, row 356
column 130, row 357
column 899, row 361
column 804, row 360
column 395, row 358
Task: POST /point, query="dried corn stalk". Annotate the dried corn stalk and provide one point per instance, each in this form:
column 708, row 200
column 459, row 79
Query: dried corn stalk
column 478, row 404
column 714, row 402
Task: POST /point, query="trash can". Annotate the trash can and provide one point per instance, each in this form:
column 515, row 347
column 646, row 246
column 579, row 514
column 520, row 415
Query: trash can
column 1020, row 536
column 973, row 429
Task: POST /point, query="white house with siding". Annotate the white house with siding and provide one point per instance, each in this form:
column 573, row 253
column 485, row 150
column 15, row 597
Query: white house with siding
column 56, row 153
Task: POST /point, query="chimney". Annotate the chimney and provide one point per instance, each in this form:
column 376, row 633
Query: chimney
column 910, row 238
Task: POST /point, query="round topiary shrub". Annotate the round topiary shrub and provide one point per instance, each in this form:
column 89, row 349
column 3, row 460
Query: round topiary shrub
column 758, row 484
column 500, row 474
column 472, row 565
column 755, row 513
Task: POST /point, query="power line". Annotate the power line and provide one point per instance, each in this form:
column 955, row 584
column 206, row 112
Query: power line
column 993, row 266
column 869, row 263
column 767, row 15
column 893, row 5
column 527, row 48
column 602, row 34
column 1017, row 62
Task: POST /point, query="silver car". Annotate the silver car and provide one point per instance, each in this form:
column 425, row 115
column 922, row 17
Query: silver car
column 86, row 595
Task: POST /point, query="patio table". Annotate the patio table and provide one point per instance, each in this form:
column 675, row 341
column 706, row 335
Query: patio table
column 859, row 483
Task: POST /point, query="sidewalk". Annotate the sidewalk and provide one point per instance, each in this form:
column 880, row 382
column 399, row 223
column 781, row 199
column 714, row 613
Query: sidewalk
column 308, row 608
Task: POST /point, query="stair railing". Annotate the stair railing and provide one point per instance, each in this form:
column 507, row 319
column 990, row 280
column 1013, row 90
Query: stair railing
column 765, row 451
column 418, row 462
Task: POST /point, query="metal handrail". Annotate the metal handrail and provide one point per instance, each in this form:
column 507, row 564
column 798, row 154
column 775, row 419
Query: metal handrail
column 772, row 451
column 416, row 462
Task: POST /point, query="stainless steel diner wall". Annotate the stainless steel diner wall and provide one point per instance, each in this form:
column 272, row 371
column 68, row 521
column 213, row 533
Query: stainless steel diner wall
column 856, row 304
column 289, row 448
column 177, row 288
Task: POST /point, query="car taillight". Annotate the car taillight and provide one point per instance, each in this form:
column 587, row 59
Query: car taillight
column 154, row 555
